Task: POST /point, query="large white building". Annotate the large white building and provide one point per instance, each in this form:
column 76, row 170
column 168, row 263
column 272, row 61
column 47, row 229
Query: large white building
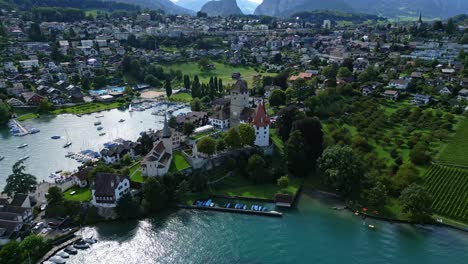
column 158, row 161
column 261, row 124
column 108, row 188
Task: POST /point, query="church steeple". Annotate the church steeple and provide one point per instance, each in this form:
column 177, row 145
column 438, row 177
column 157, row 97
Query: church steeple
column 166, row 132
column 420, row 18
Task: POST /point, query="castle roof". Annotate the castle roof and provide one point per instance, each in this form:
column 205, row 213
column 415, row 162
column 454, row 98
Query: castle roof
column 240, row 86
column 261, row 118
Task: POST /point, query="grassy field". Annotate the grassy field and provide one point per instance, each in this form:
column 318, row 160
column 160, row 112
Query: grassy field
column 240, row 186
column 456, row 152
column 87, row 108
column 135, row 174
column 277, row 140
column 181, row 97
column 178, row 162
column 221, row 71
column 28, row 116
column 448, row 186
column 81, row 195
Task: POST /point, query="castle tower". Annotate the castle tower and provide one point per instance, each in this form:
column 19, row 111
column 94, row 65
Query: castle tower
column 261, row 124
column 167, row 136
column 239, row 99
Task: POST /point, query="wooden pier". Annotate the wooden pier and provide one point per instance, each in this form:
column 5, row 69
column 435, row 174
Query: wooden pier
column 233, row 210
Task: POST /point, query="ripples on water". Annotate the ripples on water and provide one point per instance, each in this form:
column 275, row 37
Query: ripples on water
column 310, row 234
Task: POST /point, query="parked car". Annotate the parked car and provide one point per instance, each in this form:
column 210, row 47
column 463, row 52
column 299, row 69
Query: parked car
column 38, row 226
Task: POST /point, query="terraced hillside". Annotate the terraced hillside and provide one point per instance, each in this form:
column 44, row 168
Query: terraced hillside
column 456, row 152
column 449, row 187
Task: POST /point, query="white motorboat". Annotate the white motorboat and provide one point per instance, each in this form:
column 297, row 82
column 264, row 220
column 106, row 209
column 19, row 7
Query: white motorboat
column 24, row 158
column 57, row 259
column 90, row 240
column 22, row 146
column 80, row 244
column 71, row 250
column 62, row 254
column 1, row 158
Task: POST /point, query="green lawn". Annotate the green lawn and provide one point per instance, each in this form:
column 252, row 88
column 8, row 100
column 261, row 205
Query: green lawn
column 135, row 173
column 87, row 108
column 222, row 71
column 81, row 195
column 181, row 97
column 239, row 186
column 28, row 116
column 178, row 162
column 277, row 140
column 456, row 152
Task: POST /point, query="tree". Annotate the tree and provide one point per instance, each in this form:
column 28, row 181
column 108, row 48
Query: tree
column 291, row 94
column 294, row 150
column 438, row 25
column 344, row 72
column 284, row 123
column 220, row 145
column 183, row 189
column 220, row 86
column 155, row 196
column 145, row 144
column 417, row 201
column 19, row 181
column 45, row 106
column 330, row 71
column 256, row 168
column 377, row 195
column 420, row 154
column 311, row 129
column 406, row 175
column 168, row 87
column 188, row 128
column 85, row 83
column 187, row 82
column 207, row 145
column 450, row 27
column 127, row 207
column 126, row 64
column 99, row 81
column 233, row 139
column 342, row 169
column 196, row 104
column 277, row 98
column 55, row 196
column 34, row 247
column 283, row 182
column 196, row 88
column 4, row 113
column 34, row 32
column 11, row 253
column 204, row 63
column 172, row 122
column 247, row 134
column 198, row 181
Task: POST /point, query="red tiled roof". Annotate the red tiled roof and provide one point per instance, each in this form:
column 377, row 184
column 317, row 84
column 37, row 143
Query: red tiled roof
column 261, row 118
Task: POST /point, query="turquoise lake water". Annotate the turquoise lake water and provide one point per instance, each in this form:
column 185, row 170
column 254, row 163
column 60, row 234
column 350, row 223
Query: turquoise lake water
column 310, row 233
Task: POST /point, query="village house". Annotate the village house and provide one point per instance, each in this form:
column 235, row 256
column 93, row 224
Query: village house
column 398, row 84
column 391, row 94
column 463, row 94
column 81, row 177
column 114, row 151
column 32, row 98
column 198, row 119
column 421, row 99
column 108, row 188
column 445, row 91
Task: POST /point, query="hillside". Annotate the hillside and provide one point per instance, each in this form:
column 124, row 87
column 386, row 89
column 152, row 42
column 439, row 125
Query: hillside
column 166, row 5
column 285, row 8
column 246, row 6
column 81, row 4
column 388, row 8
column 221, row 8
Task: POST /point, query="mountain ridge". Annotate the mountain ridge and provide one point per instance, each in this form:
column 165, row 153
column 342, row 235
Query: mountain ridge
column 221, row 8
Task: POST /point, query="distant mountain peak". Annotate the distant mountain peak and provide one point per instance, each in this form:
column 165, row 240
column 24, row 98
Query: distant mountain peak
column 221, row 8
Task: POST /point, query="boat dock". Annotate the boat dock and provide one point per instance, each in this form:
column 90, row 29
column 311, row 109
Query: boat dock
column 59, row 247
column 18, row 129
column 233, row 210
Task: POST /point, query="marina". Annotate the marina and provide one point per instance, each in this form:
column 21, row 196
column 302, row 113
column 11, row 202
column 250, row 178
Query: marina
column 81, row 132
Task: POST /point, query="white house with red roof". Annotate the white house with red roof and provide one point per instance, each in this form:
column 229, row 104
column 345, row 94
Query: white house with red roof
column 261, row 124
